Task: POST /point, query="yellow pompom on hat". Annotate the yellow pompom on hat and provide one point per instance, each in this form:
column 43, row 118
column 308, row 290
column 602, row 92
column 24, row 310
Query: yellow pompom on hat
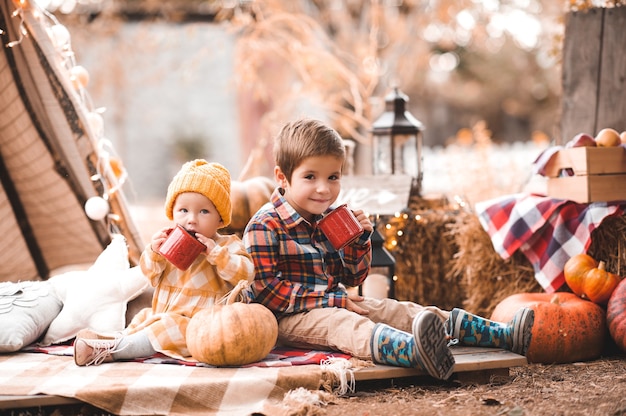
column 209, row 179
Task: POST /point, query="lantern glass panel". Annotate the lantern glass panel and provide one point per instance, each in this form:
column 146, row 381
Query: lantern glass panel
column 382, row 155
column 405, row 154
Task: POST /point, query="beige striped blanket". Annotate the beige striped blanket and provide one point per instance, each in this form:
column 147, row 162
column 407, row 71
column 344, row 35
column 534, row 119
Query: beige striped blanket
column 132, row 388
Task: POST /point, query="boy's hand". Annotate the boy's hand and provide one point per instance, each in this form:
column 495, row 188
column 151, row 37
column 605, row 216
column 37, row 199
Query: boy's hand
column 351, row 305
column 364, row 220
column 208, row 242
column 159, row 238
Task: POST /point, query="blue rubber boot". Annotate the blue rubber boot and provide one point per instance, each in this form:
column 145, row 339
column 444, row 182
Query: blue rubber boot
column 472, row 330
column 426, row 348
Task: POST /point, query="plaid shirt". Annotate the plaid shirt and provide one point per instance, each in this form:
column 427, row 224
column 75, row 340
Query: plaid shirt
column 296, row 268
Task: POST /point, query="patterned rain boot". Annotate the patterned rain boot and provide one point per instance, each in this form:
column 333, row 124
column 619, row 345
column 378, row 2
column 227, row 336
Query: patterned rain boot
column 91, row 348
column 473, row 330
column 426, row 348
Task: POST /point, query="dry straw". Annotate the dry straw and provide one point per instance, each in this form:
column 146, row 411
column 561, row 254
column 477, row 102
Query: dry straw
column 447, row 259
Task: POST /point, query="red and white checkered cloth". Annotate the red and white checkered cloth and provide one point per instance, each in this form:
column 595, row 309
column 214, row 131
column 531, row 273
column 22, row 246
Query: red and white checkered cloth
column 547, row 231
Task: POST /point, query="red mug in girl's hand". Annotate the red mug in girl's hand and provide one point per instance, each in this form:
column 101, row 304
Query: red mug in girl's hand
column 341, row 227
column 181, row 248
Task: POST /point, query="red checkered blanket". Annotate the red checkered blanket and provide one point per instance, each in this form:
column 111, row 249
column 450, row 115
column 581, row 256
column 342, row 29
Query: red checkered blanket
column 278, row 357
column 547, row 231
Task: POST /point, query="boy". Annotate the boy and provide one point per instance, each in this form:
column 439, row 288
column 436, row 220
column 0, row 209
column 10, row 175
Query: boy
column 198, row 199
column 302, row 278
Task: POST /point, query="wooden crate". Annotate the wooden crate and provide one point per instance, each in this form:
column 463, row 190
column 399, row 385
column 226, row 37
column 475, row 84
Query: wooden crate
column 599, row 174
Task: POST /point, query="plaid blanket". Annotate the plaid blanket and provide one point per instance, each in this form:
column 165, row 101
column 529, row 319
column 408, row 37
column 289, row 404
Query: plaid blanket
column 139, row 388
column 547, row 231
column 278, row 356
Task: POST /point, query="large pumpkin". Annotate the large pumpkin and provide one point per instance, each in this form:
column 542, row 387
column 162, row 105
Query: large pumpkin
column 247, row 197
column 232, row 333
column 589, row 279
column 616, row 315
column 566, row 328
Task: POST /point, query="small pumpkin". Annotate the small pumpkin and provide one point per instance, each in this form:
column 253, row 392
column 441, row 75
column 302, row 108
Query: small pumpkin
column 232, row 333
column 616, row 315
column 247, row 197
column 566, row 328
column 589, row 279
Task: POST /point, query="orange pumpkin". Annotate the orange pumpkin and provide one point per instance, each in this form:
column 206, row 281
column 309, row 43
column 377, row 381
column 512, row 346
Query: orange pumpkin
column 589, row 279
column 566, row 328
column 247, row 197
column 616, row 315
column 232, row 333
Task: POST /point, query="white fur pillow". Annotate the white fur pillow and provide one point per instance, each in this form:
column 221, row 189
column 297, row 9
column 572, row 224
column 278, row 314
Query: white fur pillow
column 96, row 298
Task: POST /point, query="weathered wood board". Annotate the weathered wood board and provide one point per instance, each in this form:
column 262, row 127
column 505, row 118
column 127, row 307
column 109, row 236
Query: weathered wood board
column 594, row 72
column 468, row 360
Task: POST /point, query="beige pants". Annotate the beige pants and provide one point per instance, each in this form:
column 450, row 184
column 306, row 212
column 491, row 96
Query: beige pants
column 339, row 329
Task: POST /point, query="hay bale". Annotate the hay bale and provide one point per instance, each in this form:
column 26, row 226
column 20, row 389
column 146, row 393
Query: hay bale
column 445, row 258
column 607, row 244
column 423, row 248
column 487, row 278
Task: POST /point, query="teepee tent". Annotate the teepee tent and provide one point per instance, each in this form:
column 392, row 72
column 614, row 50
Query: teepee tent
column 53, row 155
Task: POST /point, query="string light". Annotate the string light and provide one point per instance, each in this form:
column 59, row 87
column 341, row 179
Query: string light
column 111, row 174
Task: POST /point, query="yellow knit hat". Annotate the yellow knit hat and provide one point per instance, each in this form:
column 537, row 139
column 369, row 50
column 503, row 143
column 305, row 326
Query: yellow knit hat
column 209, row 179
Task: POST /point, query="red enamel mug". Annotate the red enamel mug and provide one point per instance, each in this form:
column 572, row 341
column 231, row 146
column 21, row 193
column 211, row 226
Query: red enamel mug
column 340, row 227
column 181, row 247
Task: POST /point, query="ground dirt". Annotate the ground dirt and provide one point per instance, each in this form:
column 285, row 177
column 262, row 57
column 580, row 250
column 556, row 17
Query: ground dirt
column 588, row 388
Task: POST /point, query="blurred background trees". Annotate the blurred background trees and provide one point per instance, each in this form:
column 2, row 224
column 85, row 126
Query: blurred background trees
column 467, row 65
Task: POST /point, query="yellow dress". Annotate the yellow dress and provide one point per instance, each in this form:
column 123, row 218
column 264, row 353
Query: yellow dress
column 179, row 294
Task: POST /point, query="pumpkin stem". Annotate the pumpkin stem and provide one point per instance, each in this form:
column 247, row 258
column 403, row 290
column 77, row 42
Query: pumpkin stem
column 235, row 294
column 555, row 299
column 601, row 265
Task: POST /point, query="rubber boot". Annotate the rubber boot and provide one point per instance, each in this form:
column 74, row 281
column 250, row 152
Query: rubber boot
column 91, row 348
column 474, row 330
column 426, row 348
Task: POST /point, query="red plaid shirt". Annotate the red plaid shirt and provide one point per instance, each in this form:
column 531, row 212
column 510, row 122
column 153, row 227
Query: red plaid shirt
column 296, row 268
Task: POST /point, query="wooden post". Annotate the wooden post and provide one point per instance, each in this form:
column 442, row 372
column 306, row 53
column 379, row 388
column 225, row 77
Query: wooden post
column 594, row 72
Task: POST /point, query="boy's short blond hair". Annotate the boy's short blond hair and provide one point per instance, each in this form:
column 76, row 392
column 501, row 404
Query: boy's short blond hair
column 304, row 138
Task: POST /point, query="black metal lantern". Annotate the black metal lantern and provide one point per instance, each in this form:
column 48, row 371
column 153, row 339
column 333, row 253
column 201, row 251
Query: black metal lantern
column 397, row 140
column 383, row 262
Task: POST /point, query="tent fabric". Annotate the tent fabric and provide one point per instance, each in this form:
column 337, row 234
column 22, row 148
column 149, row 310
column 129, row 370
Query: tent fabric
column 49, row 160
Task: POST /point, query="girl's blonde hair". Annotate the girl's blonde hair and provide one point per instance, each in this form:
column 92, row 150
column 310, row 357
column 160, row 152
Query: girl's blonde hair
column 304, row 138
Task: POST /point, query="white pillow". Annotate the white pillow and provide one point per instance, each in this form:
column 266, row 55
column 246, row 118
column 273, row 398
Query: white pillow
column 26, row 310
column 96, row 298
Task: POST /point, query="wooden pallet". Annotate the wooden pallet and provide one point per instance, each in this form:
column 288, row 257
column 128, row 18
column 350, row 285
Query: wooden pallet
column 475, row 365
column 472, row 364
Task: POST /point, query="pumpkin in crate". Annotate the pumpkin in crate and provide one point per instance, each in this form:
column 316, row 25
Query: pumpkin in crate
column 247, row 197
column 566, row 328
column 232, row 333
column 589, row 279
column 616, row 315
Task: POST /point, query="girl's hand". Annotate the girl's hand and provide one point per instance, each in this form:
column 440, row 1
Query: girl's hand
column 364, row 220
column 159, row 238
column 208, row 242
